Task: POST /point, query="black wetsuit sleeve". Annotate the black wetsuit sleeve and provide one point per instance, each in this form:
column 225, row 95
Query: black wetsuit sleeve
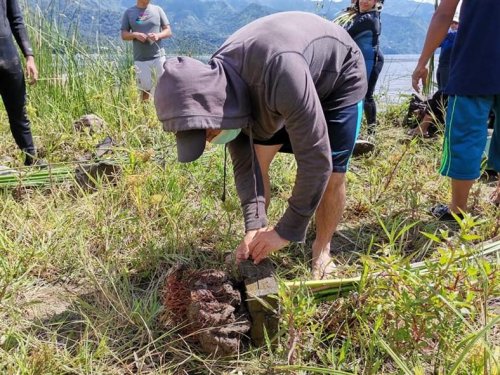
column 364, row 22
column 15, row 18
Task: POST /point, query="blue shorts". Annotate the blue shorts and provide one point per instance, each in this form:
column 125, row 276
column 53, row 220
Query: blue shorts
column 343, row 130
column 466, row 133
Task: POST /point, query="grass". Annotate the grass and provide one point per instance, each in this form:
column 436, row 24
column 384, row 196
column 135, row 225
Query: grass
column 80, row 271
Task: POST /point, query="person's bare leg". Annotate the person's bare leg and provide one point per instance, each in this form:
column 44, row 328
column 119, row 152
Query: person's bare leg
column 328, row 215
column 459, row 194
column 265, row 155
column 422, row 129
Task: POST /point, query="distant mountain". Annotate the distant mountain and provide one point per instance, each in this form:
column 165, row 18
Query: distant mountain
column 200, row 26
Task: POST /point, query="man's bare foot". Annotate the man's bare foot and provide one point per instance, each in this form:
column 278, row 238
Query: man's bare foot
column 322, row 266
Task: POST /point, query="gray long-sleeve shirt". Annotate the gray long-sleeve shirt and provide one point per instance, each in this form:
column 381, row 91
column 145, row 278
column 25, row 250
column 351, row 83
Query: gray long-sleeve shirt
column 285, row 69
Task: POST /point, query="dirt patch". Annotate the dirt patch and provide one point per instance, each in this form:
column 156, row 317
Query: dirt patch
column 209, row 306
column 44, row 301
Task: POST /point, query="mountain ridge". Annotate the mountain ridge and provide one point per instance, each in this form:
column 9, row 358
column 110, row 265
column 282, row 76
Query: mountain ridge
column 200, row 26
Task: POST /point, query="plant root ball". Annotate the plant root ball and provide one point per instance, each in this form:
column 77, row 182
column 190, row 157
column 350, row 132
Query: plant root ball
column 209, row 306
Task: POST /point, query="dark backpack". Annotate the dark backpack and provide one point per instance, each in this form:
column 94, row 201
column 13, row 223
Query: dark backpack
column 416, row 111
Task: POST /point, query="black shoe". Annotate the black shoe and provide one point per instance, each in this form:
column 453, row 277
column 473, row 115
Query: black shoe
column 362, row 147
column 29, row 160
column 35, row 162
column 443, row 213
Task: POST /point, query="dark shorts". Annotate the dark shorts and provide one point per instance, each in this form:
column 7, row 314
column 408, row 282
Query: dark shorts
column 343, row 130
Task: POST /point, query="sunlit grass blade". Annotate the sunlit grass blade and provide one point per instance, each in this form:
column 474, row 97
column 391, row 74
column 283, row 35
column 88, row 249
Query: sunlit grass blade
column 310, row 370
column 471, row 342
column 399, row 361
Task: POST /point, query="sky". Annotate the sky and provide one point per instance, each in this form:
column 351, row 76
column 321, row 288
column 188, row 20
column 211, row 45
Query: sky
column 417, row 1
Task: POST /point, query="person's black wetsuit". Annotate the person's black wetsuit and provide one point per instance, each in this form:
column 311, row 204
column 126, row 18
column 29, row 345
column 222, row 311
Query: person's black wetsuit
column 365, row 29
column 12, row 83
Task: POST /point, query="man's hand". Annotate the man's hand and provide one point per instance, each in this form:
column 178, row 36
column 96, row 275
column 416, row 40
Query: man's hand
column 419, row 75
column 242, row 251
column 153, row 37
column 264, row 243
column 31, row 70
column 141, row 37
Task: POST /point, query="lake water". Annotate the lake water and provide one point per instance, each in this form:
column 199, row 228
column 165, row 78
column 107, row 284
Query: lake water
column 395, row 78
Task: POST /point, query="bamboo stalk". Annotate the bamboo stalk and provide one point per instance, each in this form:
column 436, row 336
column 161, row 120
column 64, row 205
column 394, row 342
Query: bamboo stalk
column 322, row 284
column 34, row 178
column 326, row 290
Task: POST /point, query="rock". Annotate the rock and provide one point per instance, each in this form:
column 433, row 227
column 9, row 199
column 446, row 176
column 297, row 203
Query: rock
column 362, row 147
column 90, row 124
column 104, row 147
column 262, row 303
column 88, row 176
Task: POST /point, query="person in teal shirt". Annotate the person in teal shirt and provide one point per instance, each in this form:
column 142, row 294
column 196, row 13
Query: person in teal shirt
column 146, row 25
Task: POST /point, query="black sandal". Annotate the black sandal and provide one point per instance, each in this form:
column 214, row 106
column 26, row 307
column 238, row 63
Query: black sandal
column 443, row 213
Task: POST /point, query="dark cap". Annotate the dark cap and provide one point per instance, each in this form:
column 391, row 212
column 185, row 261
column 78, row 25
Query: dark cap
column 190, row 144
column 192, row 97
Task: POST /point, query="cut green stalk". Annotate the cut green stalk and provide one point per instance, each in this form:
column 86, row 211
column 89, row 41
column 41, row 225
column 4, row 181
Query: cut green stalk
column 318, row 285
column 327, row 290
column 37, row 178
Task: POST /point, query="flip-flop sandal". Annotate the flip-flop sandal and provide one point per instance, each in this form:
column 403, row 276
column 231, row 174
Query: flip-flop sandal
column 442, row 212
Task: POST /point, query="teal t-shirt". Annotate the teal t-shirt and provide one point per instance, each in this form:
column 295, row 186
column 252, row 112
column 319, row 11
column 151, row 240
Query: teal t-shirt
column 151, row 19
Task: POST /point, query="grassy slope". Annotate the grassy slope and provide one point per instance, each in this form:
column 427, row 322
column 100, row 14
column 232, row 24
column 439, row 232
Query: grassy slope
column 80, row 272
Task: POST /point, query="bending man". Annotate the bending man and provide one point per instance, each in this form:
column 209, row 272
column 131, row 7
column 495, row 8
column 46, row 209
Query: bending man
column 292, row 80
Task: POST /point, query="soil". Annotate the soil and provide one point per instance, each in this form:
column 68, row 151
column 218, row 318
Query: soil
column 211, row 305
column 44, row 301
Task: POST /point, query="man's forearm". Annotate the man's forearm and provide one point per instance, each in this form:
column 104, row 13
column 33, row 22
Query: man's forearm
column 438, row 29
column 248, row 183
column 127, row 35
column 165, row 33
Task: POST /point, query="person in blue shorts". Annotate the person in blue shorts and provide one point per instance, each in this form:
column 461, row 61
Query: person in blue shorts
column 474, row 91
